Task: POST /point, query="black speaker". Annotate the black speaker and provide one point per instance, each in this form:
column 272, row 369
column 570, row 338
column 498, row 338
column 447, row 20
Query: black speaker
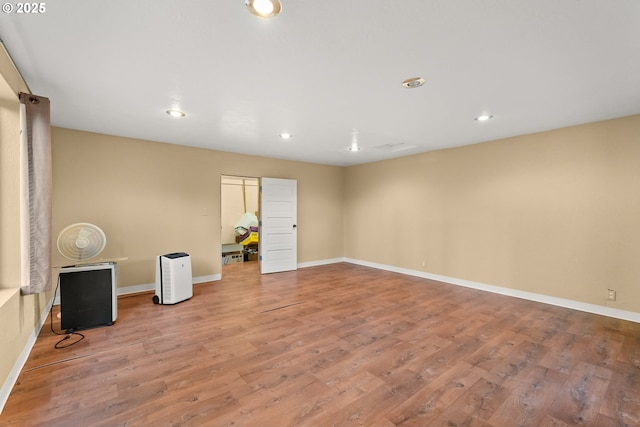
column 87, row 296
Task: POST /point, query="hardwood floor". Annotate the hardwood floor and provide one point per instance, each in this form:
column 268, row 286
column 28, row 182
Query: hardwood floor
column 335, row 345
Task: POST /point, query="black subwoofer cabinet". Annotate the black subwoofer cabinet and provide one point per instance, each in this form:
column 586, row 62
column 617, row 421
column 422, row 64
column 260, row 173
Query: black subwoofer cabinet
column 88, row 296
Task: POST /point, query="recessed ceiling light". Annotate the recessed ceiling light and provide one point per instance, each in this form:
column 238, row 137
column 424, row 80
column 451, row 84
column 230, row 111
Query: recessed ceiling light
column 264, row 8
column 175, row 113
column 354, row 141
column 484, row 117
column 286, row 135
column 413, row 82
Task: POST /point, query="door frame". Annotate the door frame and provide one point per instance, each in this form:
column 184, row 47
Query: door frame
column 226, row 175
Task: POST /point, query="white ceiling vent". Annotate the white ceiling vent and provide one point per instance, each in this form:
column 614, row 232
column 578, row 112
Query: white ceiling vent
column 399, row 146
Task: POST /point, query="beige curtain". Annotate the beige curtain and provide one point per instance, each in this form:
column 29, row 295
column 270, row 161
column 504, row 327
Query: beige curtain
column 35, row 193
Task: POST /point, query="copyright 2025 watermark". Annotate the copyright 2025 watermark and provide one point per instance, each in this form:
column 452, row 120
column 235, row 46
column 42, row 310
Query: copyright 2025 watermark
column 24, row 8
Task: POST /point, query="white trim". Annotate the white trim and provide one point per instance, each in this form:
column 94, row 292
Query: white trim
column 152, row 286
column 321, row 262
column 204, row 279
column 21, row 360
column 531, row 296
column 134, row 289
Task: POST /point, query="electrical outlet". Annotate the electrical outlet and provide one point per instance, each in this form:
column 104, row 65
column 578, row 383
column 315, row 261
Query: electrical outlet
column 424, row 263
column 611, row 295
column 205, row 212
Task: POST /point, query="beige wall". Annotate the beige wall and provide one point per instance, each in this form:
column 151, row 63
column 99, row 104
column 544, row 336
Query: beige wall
column 149, row 199
column 555, row 213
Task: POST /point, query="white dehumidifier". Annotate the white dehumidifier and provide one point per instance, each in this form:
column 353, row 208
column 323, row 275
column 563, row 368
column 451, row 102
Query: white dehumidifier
column 174, row 282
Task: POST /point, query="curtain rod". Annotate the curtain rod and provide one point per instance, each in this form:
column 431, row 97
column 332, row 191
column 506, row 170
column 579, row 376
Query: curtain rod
column 4, row 47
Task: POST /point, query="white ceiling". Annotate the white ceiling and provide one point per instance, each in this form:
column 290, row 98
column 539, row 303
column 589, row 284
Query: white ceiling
column 323, row 68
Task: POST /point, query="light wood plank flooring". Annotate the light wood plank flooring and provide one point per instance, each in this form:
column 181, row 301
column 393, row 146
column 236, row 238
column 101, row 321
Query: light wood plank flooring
column 335, row 345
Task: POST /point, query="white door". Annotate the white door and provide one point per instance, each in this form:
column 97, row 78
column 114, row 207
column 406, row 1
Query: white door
column 278, row 225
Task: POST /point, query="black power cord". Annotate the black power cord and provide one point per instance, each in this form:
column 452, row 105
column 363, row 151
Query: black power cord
column 67, row 334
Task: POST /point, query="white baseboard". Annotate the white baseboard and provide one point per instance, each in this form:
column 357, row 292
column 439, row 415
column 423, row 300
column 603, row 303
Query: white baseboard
column 531, row 296
column 22, row 359
column 321, row 262
column 210, row 278
column 134, row 289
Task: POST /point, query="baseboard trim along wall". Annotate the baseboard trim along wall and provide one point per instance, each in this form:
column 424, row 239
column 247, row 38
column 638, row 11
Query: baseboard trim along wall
column 22, row 359
column 320, row 262
column 546, row 299
column 134, row 289
column 126, row 290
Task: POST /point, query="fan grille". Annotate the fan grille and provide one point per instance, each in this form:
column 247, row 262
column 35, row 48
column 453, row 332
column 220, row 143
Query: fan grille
column 81, row 241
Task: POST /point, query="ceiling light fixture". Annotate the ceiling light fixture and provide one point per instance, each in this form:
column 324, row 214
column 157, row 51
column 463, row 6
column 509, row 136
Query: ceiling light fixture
column 484, row 117
column 286, row 135
column 176, row 113
column 413, row 82
column 264, row 8
column 354, row 141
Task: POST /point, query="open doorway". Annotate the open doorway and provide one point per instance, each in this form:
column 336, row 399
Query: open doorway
column 239, row 215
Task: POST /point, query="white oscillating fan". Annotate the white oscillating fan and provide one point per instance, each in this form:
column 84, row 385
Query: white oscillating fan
column 81, row 241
